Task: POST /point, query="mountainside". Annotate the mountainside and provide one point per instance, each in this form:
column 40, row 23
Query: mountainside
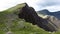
column 56, row 14
column 22, row 19
column 46, row 12
column 10, row 23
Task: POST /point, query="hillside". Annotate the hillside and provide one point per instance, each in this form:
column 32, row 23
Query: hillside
column 10, row 22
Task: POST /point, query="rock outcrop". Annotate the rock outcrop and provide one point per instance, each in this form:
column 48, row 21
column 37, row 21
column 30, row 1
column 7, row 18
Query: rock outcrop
column 30, row 15
column 53, row 20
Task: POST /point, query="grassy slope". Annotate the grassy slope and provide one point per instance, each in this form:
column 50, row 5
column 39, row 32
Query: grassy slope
column 10, row 22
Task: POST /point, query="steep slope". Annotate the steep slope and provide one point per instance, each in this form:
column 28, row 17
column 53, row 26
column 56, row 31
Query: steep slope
column 9, row 18
column 18, row 20
column 51, row 19
column 30, row 15
column 9, row 22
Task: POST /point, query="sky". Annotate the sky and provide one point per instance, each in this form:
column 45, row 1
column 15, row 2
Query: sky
column 51, row 5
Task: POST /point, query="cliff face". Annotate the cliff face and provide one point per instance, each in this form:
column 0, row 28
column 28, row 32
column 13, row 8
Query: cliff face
column 30, row 15
column 27, row 14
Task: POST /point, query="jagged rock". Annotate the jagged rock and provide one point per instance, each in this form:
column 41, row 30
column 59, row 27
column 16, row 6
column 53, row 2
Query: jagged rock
column 27, row 14
column 30, row 15
column 54, row 21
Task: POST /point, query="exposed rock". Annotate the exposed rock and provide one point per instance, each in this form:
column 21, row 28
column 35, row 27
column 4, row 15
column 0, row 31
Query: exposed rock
column 53, row 20
column 9, row 32
column 30, row 15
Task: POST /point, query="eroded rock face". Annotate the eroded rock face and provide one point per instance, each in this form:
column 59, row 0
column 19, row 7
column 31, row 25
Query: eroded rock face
column 30, row 15
column 54, row 21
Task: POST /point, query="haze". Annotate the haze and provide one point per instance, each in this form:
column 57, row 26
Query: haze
column 51, row 5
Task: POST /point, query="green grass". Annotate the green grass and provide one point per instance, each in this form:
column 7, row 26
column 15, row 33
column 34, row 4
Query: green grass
column 18, row 26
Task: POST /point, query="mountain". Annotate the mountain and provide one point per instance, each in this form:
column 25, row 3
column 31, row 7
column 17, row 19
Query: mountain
column 56, row 14
column 46, row 12
column 11, row 23
column 29, row 15
column 24, row 20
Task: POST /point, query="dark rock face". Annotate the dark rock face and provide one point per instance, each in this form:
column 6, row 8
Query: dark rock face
column 29, row 14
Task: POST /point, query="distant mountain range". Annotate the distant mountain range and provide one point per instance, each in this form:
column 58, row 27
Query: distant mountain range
column 46, row 12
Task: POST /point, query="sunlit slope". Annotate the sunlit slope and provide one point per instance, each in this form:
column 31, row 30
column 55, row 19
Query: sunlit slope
column 9, row 18
column 9, row 21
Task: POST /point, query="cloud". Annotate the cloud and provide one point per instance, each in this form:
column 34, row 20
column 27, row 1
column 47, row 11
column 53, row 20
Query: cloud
column 52, row 8
column 49, row 3
column 36, row 4
column 33, row 3
column 5, row 4
column 52, row 5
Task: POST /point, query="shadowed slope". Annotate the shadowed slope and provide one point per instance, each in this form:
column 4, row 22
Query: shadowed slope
column 29, row 14
column 9, row 22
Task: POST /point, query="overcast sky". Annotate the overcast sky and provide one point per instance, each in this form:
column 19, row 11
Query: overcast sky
column 51, row 5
